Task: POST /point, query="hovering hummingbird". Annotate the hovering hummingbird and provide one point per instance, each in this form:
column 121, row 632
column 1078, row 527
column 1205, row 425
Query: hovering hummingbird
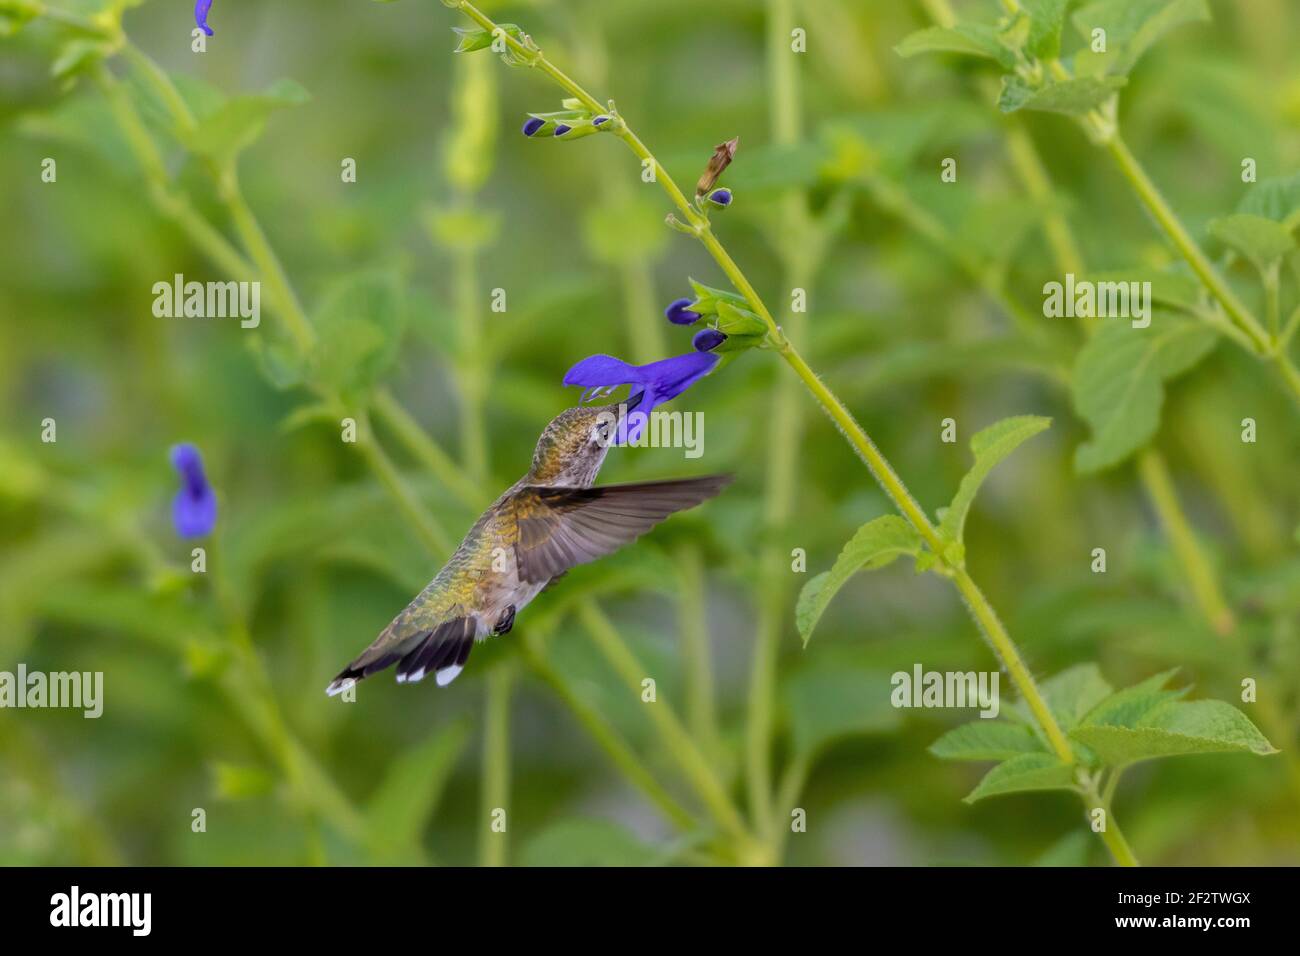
column 547, row 522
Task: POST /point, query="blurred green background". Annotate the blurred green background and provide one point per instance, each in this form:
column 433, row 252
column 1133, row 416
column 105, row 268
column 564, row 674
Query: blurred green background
column 213, row 682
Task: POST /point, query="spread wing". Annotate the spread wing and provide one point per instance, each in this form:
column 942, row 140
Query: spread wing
column 563, row 527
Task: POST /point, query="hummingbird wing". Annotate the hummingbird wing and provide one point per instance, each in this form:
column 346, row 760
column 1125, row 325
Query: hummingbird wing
column 563, row 527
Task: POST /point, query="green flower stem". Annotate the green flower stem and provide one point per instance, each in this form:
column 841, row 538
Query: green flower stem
column 426, row 451
column 431, row 533
column 1199, row 574
column 857, row 438
column 471, row 376
column 623, row 756
column 794, row 244
column 675, row 737
column 793, row 780
column 1112, row 836
column 701, row 717
column 495, row 785
column 1155, row 202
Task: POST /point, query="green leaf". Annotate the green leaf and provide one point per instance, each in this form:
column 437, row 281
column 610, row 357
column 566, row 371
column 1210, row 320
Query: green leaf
column 586, row 842
column 477, row 38
column 1277, row 199
column 990, row 446
column 830, row 700
column 1133, row 26
column 359, row 328
column 1073, row 97
column 969, row 38
column 874, row 545
column 1046, row 17
column 1070, row 694
column 1173, row 728
column 1035, row 771
column 405, row 800
column 1174, row 289
column 239, row 121
column 986, row 740
column 1119, row 382
column 1125, row 707
column 1262, row 241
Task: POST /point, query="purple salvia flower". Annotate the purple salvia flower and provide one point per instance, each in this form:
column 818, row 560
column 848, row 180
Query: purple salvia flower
column 679, row 313
column 194, row 509
column 561, row 129
column 201, row 9
column 652, row 384
column 533, row 125
column 706, row 340
column 721, row 198
column 600, row 121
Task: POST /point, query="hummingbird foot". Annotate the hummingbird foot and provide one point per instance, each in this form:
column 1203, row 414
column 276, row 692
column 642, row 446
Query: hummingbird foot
column 505, row 622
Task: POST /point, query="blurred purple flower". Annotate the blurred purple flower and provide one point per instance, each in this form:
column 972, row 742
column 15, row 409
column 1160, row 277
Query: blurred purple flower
column 533, row 125
column 678, row 313
column 706, row 340
column 201, row 9
column 561, row 129
column 194, row 509
column 652, row 384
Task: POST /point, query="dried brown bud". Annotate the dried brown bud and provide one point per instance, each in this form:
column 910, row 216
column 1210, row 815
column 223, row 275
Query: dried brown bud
column 723, row 154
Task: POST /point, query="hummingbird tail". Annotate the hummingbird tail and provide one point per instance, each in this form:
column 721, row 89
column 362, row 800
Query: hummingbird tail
column 441, row 651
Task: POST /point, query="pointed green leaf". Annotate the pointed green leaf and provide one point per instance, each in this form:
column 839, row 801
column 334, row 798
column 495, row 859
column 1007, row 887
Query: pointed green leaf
column 1173, row 728
column 1119, row 382
column 1036, row 771
column 1073, row 97
column 239, row 121
column 1125, row 707
column 406, row 798
column 874, row 545
column 1046, row 17
column 1133, row 26
column 1070, row 694
column 1174, row 289
column 972, row 39
column 1277, row 199
column 990, row 446
column 1262, row 241
column 986, row 740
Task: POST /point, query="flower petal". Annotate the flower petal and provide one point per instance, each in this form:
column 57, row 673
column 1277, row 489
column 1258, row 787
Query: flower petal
column 201, row 9
column 194, row 515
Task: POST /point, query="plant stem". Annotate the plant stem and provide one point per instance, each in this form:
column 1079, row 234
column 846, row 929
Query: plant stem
column 471, row 375
column 1154, row 200
column 675, row 738
column 1199, row 573
column 1112, row 835
column 496, row 764
column 623, row 756
column 428, row 452
column 700, row 715
column 427, row 527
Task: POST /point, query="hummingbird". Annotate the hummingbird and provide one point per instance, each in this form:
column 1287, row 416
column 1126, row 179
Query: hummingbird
column 547, row 522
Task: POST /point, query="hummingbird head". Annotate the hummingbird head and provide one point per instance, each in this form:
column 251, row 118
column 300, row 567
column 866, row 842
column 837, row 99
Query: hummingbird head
column 574, row 445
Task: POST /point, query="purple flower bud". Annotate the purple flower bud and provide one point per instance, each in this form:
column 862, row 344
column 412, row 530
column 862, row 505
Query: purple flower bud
column 721, row 198
column 201, row 15
column 600, row 121
column 678, row 313
column 194, row 509
column 561, row 129
column 533, row 125
column 706, row 340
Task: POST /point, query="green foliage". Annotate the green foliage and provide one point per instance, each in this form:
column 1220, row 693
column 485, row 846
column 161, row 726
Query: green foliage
column 877, row 543
column 1262, row 241
column 968, row 38
column 1134, row 26
column 407, row 796
column 1119, row 382
column 990, row 446
column 586, row 842
column 1110, row 729
column 359, row 326
column 231, row 127
column 829, row 701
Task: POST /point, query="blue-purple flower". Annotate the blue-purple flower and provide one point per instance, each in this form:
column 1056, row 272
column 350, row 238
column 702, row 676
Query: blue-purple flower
column 679, row 312
column 706, row 340
column 194, row 509
column 562, row 128
column 652, row 384
column 533, row 125
column 721, row 197
column 201, row 9
column 600, row 120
